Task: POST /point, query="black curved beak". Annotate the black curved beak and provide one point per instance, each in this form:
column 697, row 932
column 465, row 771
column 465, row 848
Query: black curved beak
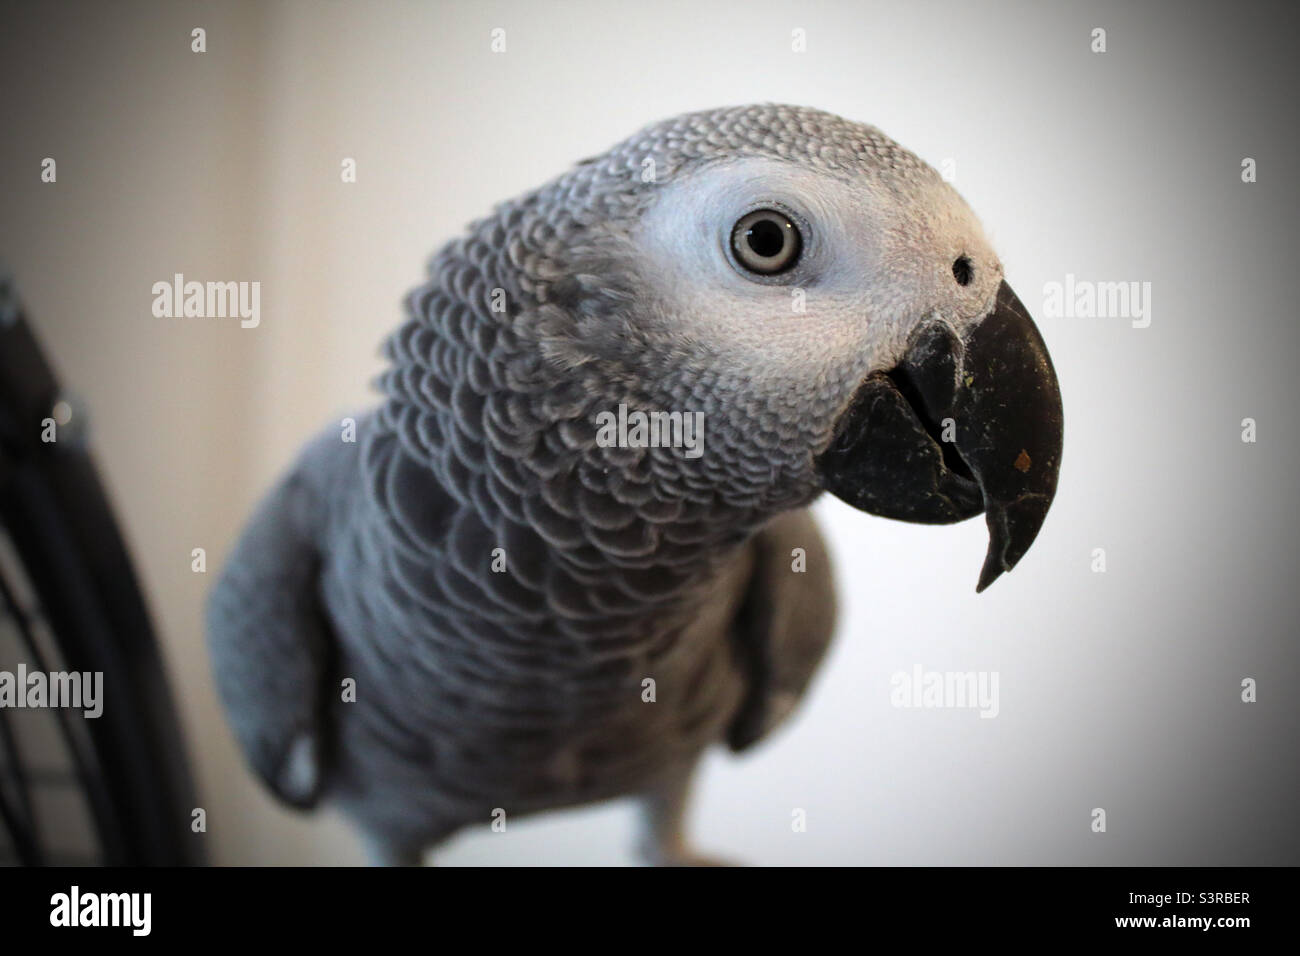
column 959, row 427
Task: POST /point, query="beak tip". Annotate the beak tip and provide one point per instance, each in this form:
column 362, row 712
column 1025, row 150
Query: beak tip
column 990, row 573
column 1013, row 526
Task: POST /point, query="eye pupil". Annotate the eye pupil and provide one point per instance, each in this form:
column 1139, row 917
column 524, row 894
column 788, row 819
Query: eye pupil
column 765, row 242
column 766, row 238
column 962, row 270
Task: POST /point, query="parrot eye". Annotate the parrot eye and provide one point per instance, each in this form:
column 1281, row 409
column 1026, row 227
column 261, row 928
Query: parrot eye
column 766, row 241
column 962, row 270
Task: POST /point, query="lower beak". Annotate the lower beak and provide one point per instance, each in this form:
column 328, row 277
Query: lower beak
column 959, row 427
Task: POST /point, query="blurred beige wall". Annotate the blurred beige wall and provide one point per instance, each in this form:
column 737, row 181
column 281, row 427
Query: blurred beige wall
column 164, row 165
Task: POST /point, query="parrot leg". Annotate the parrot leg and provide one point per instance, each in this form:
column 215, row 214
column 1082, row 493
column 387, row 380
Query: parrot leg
column 381, row 851
column 662, row 835
column 409, row 848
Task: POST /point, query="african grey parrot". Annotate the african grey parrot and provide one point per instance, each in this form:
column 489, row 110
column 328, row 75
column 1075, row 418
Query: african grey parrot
column 503, row 587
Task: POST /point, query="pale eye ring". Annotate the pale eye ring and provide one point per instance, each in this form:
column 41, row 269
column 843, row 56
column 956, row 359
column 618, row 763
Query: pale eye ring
column 766, row 241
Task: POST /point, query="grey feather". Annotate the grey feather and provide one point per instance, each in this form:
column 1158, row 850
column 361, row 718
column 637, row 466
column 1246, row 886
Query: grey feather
column 522, row 689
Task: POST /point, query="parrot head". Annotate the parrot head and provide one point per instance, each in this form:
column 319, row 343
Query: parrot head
column 822, row 296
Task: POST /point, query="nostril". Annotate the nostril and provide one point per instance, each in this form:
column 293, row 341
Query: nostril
column 962, row 270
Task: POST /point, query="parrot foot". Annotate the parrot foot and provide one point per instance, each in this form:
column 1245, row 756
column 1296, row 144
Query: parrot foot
column 655, row 855
column 298, row 779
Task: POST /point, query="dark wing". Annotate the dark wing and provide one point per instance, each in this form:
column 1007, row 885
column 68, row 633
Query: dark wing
column 269, row 639
column 784, row 624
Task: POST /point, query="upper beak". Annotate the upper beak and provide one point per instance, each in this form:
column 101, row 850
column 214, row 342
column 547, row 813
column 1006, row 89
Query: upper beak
column 959, row 427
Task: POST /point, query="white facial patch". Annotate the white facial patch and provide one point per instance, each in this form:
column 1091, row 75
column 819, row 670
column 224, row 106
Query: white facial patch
column 875, row 261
